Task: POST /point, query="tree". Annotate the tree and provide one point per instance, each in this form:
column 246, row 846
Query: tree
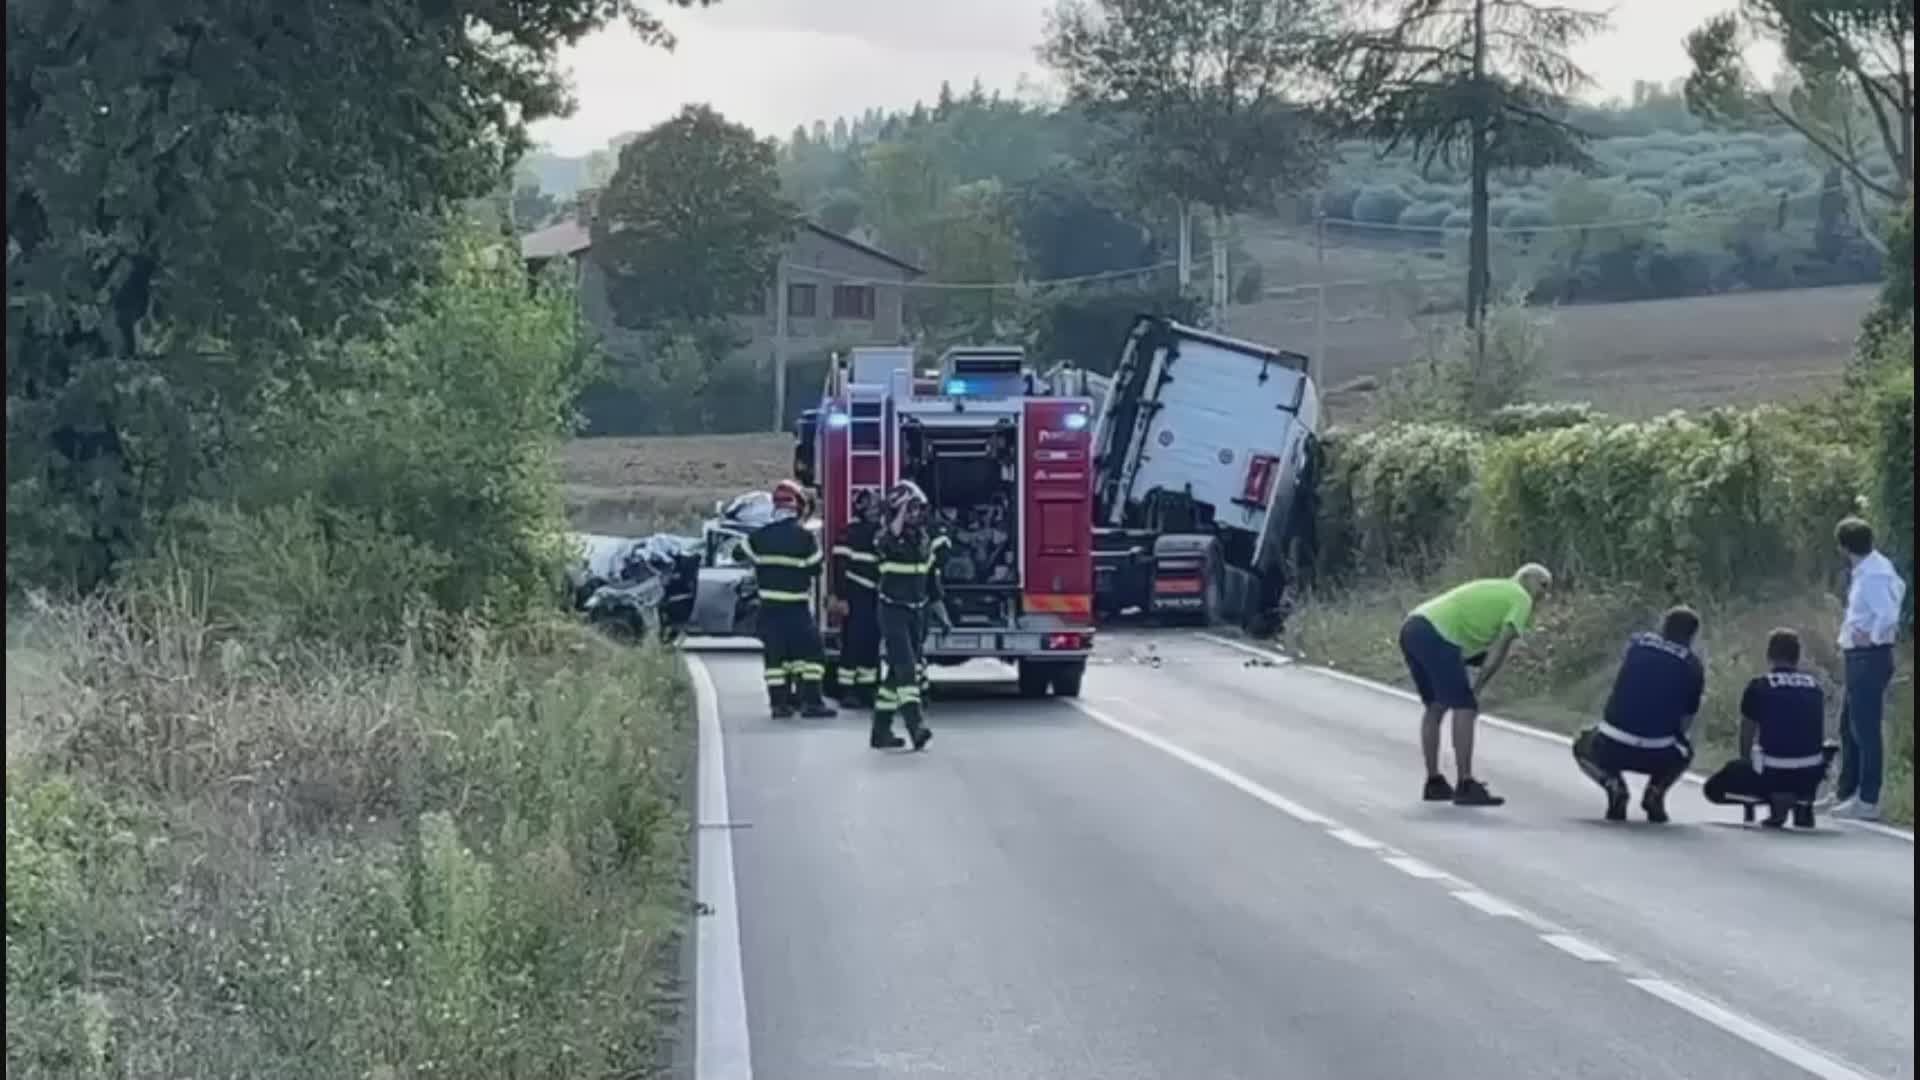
column 1211, row 91
column 198, row 189
column 1069, row 226
column 1483, row 80
column 1848, row 86
column 691, row 225
column 532, row 207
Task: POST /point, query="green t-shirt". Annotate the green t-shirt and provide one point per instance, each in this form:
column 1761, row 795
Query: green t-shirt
column 1472, row 615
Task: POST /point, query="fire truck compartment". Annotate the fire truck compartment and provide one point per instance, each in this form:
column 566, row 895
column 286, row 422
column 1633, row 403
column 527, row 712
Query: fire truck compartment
column 971, row 475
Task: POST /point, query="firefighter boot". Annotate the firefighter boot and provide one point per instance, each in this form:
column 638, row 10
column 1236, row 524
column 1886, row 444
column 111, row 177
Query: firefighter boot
column 780, row 700
column 812, row 705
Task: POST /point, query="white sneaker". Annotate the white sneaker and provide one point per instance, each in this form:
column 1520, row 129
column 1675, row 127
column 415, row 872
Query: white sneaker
column 1855, row 810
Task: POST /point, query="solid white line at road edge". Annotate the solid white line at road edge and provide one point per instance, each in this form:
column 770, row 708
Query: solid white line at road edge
column 721, row 1049
column 1750, row 1031
column 1502, row 723
column 1734, row 1024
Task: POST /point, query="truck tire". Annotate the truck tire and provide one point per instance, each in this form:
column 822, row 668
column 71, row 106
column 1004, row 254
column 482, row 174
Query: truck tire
column 1034, row 678
column 1068, row 677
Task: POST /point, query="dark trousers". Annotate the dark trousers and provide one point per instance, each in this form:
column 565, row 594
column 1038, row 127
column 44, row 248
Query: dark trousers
column 860, row 645
column 1604, row 760
column 1864, row 704
column 1738, row 782
column 899, row 691
column 790, row 652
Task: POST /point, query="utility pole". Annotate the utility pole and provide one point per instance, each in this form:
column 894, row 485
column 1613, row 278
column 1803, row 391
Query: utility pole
column 1322, row 368
column 780, row 346
column 1219, row 271
column 1186, row 247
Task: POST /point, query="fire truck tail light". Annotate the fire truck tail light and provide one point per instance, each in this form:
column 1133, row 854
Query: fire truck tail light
column 1069, row 642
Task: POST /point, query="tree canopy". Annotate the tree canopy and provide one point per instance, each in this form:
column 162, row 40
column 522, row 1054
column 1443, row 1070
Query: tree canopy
column 691, row 225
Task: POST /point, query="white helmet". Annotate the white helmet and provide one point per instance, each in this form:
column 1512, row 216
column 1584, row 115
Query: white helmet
column 904, row 494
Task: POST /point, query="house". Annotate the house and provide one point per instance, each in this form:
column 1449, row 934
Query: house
column 840, row 292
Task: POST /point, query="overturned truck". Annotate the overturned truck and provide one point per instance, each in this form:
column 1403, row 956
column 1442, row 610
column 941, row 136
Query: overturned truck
column 1206, row 466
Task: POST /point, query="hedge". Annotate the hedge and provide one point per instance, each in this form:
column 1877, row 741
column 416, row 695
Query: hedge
column 1717, row 502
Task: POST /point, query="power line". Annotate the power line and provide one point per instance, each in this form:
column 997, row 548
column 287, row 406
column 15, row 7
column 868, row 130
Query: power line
column 1024, row 283
column 1682, row 213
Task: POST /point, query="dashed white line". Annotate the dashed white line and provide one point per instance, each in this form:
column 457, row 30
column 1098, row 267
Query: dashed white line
column 1492, row 905
column 1754, row 1033
column 722, row 1050
column 1577, row 949
column 1780, row 1046
column 1413, row 867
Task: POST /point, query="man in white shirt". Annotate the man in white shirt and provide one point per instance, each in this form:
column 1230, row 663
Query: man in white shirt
column 1875, row 594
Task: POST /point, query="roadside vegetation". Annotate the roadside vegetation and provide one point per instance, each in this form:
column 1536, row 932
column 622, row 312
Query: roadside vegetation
column 1730, row 510
column 308, row 773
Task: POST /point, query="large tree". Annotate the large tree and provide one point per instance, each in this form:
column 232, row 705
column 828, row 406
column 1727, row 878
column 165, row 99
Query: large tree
column 1211, row 92
column 692, row 224
column 1486, row 81
column 1847, row 84
column 198, row 189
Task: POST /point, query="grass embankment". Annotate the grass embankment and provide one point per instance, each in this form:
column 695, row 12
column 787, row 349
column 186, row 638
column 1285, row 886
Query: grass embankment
column 1558, row 677
column 230, row 861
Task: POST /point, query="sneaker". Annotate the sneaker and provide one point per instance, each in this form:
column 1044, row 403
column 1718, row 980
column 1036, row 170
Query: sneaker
column 1855, row 810
column 1472, row 792
column 1617, row 801
column 1655, row 804
column 1437, row 790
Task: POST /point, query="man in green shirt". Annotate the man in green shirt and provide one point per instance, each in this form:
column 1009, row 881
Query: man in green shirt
column 1473, row 625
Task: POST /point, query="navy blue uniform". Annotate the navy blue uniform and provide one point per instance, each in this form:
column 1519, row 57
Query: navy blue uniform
column 1784, row 714
column 786, row 559
column 907, row 585
column 1643, row 730
column 857, row 580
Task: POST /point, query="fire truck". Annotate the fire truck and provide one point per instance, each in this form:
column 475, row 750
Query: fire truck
column 1008, row 472
column 1206, row 465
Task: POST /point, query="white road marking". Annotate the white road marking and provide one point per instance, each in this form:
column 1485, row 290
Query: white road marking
column 1488, row 903
column 1241, row 646
column 1780, row 1046
column 1517, row 728
column 722, row 1050
column 1354, row 839
column 1576, row 948
column 1413, row 867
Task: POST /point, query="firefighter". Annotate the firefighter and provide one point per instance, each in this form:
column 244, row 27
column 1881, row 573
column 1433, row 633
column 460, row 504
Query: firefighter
column 786, row 559
column 856, row 581
column 906, row 587
column 939, row 545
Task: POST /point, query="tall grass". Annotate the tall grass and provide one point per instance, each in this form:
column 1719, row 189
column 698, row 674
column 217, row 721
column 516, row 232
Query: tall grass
column 225, row 859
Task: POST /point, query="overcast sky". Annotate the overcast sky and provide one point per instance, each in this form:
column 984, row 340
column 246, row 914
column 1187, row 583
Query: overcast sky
column 772, row 64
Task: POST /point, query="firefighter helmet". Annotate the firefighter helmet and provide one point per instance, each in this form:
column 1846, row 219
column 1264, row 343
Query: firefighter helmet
column 789, row 495
column 904, row 494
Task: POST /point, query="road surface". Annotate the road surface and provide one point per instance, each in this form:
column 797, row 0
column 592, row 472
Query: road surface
column 1214, row 867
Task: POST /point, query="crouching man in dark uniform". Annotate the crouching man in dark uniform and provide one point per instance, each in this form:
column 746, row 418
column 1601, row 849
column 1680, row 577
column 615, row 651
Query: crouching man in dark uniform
column 1783, row 755
column 786, row 559
column 857, row 583
column 906, row 586
column 1644, row 729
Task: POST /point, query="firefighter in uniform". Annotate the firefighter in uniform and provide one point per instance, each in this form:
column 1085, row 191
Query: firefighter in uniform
column 1783, row 754
column 1655, row 697
column 906, row 586
column 939, row 545
column 786, row 559
column 856, row 582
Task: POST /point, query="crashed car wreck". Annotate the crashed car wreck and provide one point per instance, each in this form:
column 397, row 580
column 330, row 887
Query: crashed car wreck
column 666, row 586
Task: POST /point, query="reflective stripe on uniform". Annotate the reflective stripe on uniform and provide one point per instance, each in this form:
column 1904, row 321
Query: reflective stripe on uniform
column 865, row 676
column 1641, row 742
column 785, row 597
column 907, row 695
column 847, row 553
column 776, row 676
column 808, row 671
column 789, row 561
column 905, row 567
column 865, row 583
column 1769, row 761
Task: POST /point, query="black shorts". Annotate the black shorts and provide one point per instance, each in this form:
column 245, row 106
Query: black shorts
column 1439, row 671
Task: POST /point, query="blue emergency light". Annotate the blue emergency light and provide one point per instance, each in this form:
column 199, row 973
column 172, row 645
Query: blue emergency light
column 838, row 420
column 1076, row 421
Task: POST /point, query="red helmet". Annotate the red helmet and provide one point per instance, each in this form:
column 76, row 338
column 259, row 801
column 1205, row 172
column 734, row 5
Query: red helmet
column 789, row 495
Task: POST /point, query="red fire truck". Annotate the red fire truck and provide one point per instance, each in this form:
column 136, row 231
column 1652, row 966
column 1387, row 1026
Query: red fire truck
column 1009, row 474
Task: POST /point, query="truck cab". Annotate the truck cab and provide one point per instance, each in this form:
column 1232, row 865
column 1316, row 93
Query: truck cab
column 1008, row 474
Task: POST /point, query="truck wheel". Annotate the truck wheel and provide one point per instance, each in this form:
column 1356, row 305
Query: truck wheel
column 1067, row 679
column 1034, row 679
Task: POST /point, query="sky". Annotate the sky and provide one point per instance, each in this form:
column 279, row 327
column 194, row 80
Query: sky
column 772, row 64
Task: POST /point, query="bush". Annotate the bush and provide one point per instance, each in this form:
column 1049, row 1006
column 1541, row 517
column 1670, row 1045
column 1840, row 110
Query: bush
column 1427, row 215
column 1456, row 381
column 1546, row 416
column 1893, row 466
column 313, row 866
column 1380, row 205
column 1395, row 497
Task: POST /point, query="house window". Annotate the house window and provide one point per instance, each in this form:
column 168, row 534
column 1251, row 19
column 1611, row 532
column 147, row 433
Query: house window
column 802, row 301
column 853, row 301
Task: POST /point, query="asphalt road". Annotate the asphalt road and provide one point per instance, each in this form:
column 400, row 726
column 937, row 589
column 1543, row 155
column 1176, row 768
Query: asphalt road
column 1211, row 869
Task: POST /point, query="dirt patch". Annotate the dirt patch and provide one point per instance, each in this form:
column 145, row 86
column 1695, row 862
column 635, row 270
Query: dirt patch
column 632, row 486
